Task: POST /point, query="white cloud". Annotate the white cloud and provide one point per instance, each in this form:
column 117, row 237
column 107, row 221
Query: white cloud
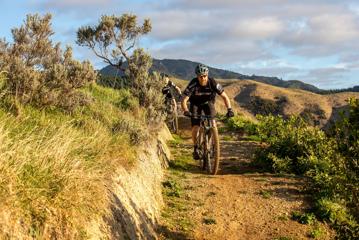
column 258, row 28
column 236, row 32
column 75, row 3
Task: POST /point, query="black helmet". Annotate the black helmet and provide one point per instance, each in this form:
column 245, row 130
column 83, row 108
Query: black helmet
column 201, row 69
column 163, row 75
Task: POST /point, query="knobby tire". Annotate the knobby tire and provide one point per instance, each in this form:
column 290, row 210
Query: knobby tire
column 214, row 148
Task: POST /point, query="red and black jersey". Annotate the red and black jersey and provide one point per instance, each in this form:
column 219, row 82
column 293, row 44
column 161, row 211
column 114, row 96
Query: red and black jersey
column 201, row 94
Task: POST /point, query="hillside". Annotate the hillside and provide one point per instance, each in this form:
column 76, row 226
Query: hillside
column 251, row 97
column 183, row 69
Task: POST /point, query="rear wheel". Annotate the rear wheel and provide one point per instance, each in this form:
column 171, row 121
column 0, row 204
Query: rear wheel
column 175, row 121
column 213, row 152
column 172, row 119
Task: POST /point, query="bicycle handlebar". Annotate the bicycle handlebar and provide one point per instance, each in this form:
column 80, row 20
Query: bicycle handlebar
column 203, row 117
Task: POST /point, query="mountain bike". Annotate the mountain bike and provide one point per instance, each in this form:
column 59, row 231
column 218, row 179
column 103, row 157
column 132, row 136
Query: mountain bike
column 208, row 144
column 171, row 116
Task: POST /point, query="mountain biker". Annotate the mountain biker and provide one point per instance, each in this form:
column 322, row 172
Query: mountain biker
column 167, row 90
column 201, row 92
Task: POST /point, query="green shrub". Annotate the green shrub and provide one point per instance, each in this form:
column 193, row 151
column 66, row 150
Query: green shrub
column 242, row 124
column 331, row 163
column 305, row 218
column 294, row 146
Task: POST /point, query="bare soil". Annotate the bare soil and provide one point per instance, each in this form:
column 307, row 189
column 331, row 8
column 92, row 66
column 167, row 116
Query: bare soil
column 240, row 202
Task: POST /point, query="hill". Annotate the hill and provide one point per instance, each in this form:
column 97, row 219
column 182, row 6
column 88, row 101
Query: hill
column 183, row 69
column 251, row 98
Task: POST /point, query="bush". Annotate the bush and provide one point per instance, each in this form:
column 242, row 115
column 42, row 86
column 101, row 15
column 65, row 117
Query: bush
column 266, row 106
column 294, row 146
column 330, row 162
column 118, row 35
column 313, row 114
column 38, row 72
column 147, row 88
column 241, row 124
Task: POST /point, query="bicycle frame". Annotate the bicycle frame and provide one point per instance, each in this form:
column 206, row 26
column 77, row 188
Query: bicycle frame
column 171, row 115
column 207, row 123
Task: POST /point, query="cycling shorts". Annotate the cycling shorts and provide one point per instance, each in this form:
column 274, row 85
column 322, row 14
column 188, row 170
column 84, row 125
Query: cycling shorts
column 196, row 110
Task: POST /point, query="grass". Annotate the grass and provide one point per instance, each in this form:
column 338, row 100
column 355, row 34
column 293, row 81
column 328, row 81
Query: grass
column 254, row 138
column 265, row 194
column 316, row 232
column 55, row 167
column 177, row 203
column 284, row 238
column 211, row 194
column 304, row 218
column 176, row 195
column 209, row 221
column 228, row 138
column 172, row 188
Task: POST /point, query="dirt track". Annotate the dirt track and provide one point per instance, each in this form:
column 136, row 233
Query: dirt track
column 238, row 203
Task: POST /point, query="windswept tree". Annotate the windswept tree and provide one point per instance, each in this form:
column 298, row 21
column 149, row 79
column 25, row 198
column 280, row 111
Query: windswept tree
column 114, row 40
column 38, row 71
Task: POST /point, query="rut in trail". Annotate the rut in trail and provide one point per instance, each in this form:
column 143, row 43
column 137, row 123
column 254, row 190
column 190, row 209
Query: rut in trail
column 239, row 202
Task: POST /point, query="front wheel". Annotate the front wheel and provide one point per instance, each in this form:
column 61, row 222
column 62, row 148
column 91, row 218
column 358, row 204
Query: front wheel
column 213, row 152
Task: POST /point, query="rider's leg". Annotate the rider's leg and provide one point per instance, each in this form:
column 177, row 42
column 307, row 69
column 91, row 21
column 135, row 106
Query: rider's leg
column 195, row 129
column 174, row 104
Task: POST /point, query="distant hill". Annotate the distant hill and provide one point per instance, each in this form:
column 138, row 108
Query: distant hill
column 250, row 98
column 352, row 89
column 184, row 69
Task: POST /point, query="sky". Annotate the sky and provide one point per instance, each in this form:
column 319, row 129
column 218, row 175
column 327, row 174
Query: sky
column 314, row 41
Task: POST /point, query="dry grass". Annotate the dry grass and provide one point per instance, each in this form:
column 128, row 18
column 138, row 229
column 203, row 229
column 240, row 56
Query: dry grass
column 55, row 176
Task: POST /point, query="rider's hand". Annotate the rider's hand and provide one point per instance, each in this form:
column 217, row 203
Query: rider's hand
column 230, row 113
column 187, row 113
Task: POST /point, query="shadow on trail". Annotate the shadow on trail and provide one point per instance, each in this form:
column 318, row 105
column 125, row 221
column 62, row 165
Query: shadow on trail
column 182, row 160
column 236, row 157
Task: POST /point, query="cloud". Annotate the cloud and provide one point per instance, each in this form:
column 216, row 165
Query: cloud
column 258, row 28
column 65, row 4
column 241, row 33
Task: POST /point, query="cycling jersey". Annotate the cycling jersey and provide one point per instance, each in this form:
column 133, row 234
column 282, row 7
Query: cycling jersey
column 202, row 98
column 168, row 90
column 202, row 94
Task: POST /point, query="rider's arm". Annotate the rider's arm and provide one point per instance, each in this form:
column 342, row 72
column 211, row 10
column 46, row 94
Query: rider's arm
column 184, row 103
column 178, row 90
column 226, row 100
column 187, row 93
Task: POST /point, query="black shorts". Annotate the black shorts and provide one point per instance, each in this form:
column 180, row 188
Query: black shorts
column 196, row 110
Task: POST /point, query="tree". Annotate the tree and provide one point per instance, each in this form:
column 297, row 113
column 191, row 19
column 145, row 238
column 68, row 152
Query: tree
column 113, row 38
column 38, row 72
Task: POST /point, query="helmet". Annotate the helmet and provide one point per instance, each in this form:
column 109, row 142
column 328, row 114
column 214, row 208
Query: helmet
column 163, row 75
column 201, row 69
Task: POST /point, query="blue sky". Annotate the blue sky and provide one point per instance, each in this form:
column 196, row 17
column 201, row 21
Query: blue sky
column 312, row 41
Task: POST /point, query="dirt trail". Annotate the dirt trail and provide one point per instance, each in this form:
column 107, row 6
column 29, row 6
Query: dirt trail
column 238, row 203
